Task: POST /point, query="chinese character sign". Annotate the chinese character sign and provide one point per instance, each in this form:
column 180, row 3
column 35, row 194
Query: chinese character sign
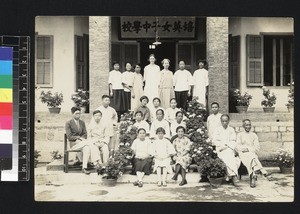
column 166, row 27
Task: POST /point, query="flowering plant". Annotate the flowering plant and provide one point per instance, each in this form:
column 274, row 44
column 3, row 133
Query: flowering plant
column 213, row 167
column 241, row 99
column 52, row 100
column 269, row 100
column 284, row 158
column 112, row 169
column 80, row 98
column 291, row 96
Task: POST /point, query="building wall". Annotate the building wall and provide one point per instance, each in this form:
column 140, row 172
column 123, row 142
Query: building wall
column 217, row 57
column 63, row 30
column 256, row 26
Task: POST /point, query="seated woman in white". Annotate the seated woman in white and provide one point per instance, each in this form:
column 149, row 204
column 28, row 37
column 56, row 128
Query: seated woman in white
column 160, row 122
column 176, row 123
column 140, row 123
column 153, row 108
column 171, row 111
column 225, row 140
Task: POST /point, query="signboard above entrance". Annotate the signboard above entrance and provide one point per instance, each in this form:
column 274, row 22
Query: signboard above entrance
column 134, row 27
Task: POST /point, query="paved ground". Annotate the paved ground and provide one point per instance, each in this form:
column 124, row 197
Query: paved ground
column 78, row 187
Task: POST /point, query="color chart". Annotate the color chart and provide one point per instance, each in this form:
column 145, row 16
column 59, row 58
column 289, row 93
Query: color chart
column 14, row 108
column 6, row 107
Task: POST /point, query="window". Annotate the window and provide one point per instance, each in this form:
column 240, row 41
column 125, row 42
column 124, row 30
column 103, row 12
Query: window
column 269, row 60
column 125, row 52
column 44, row 61
column 82, row 59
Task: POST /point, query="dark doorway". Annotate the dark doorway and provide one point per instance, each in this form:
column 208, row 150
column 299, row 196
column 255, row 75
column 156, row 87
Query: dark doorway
column 165, row 50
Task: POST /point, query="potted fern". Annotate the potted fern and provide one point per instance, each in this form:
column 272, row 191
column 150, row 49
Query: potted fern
column 53, row 101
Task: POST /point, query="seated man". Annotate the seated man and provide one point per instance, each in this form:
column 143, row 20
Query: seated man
column 99, row 134
column 247, row 148
column 225, row 140
column 76, row 134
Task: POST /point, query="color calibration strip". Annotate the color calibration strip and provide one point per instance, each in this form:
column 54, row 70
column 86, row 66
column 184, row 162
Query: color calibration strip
column 6, row 107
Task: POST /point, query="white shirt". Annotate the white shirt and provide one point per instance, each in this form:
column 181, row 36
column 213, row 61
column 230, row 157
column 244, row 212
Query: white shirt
column 127, row 78
column 201, row 81
column 174, row 126
column 182, row 79
column 153, row 112
column 156, row 124
column 142, row 149
column 171, row 114
column 143, row 124
column 109, row 114
column 213, row 122
column 115, row 79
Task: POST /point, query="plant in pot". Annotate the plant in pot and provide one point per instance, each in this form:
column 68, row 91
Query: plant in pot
column 269, row 100
column 53, row 101
column 241, row 101
column 114, row 168
column 290, row 104
column 81, row 99
column 285, row 161
column 36, row 157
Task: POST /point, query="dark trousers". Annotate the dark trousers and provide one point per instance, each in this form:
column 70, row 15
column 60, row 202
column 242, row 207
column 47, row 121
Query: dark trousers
column 181, row 99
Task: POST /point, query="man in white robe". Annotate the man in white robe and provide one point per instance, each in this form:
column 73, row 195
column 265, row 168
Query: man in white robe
column 225, row 140
column 213, row 120
column 201, row 81
column 247, row 148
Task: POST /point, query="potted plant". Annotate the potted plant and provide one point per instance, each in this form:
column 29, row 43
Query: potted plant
column 269, row 100
column 241, row 101
column 114, row 168
column 36, row 157
column 53, row 101
column 290, row 104
column 81, row 99
column 285, row 160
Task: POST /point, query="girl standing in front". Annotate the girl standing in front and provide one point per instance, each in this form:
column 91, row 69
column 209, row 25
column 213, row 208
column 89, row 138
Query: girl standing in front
column 182, row 157
column 142, row 148
column 162, row 151
column 165, row 87
column 116, row 90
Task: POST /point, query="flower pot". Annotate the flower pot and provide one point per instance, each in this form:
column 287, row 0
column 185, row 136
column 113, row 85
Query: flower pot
column 241, row 109
column 54, row 110
column 109, row 182
column 83, row 109
column 269, row 109
column 286, row 170
column 291, row 109
column 215, row 182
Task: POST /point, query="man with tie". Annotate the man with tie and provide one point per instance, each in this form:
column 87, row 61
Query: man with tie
column 77, row 135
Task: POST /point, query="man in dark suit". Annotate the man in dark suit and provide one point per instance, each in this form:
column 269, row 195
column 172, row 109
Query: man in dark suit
column 77, row 136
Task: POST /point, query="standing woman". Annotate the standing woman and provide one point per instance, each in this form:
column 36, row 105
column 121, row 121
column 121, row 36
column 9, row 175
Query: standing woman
column 151, row 73
column 127, row 81
column 137, row 87
column 165, row 87
column 116, row 90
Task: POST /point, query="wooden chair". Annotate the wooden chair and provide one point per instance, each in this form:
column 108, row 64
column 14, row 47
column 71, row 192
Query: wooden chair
column 66, row 155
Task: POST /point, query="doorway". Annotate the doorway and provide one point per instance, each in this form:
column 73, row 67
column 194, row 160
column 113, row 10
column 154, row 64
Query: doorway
column 164, row 50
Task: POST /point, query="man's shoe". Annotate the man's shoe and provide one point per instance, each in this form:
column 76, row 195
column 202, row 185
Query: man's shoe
column 77, row 163
column 136, row 183
column 235, row 181
column 174, row 178
column 183, row 182
column 85, row 171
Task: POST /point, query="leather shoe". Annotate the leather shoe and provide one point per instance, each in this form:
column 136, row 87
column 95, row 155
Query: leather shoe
column 136, row 183
column 183, row 182
column 140, row 183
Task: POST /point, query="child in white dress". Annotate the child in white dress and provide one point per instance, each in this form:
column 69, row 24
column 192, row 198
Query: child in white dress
column 162, row 152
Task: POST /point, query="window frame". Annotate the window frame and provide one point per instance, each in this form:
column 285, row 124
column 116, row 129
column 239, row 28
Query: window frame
column 50, row 85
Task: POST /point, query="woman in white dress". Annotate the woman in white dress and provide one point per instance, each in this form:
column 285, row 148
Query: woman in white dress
column 137, row 87
column 151, row 79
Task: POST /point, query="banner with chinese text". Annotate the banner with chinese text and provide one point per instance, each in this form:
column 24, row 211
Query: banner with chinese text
column 167, row 27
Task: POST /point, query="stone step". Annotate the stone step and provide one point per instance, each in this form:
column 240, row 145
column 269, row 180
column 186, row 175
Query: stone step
column 262, row 117
column 58, row 178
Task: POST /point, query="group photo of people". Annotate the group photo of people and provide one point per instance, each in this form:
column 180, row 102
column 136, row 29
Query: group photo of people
column 158, row 101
